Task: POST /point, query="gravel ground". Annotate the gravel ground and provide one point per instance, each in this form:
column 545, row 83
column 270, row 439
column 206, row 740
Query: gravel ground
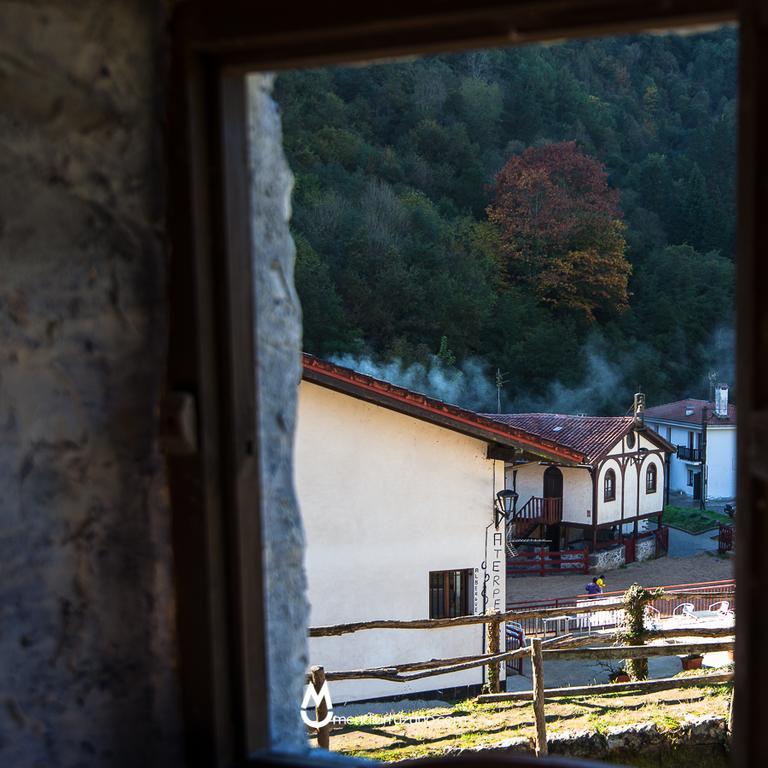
column 651, row 573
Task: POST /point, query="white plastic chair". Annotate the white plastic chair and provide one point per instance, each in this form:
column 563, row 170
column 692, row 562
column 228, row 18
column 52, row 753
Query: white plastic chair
column 723, row 607
column 652, row 617
column 685, row 610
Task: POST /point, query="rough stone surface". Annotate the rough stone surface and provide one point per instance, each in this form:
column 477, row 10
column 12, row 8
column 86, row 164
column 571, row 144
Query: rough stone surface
column 645, row 549
column 278, row 336
column 87, row 676
column 606, row 559
column 623, row 742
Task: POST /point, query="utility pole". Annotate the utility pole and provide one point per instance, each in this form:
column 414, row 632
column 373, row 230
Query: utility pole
column 500, row 382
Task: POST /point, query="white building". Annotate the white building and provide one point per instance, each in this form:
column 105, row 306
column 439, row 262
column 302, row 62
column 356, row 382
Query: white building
column 704, row 433
column 615, row 491
column 397, row 493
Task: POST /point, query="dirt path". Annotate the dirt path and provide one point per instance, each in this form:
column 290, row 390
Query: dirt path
column 651, row 573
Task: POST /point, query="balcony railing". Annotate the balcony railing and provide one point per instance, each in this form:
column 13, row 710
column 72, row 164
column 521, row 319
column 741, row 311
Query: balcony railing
column 547, row 511
column 688, row 454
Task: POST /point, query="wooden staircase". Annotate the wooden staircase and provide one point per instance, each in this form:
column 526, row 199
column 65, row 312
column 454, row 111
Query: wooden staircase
column 537, row 511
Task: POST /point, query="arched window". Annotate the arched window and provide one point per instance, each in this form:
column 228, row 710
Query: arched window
column 650, row 479
column 609, row 490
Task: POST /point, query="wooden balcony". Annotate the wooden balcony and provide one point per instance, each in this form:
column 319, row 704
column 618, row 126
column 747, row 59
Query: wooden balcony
column 541, row 511
column 688, row 454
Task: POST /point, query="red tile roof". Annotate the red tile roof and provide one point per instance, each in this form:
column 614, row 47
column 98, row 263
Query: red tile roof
column 676, row 412
column 435, row 411
column 589, row 435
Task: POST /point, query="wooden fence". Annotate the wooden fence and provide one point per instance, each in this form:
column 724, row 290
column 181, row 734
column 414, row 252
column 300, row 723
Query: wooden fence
column 545, row 562
column 569, row 646
column 724, row 538
column 702, row 595
column 561, row 647
column 539, row 693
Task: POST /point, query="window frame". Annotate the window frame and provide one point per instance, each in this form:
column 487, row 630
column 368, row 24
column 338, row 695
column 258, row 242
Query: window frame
column 467, row 608
column 220, row 610
column 651, row 472
column 610, row 474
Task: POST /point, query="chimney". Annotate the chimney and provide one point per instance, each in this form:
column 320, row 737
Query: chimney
column 721, row 401
column 639, row 407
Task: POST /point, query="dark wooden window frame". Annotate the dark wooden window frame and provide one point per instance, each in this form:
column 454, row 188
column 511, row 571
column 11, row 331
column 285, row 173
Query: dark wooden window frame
column 651, row 479
column 444, row 611
column 609, row 489
column 213, row 467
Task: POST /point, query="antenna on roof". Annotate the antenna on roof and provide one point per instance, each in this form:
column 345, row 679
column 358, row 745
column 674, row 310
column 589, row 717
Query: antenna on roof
column 500, row 382
column 712, row 377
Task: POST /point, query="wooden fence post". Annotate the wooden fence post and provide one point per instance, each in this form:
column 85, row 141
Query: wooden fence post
column 317, row 676
column 730, row 714
column 537, row 667
column 493, row 630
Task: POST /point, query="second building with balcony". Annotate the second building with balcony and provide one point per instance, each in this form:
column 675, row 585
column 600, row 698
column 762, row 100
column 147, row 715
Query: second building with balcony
column 613, row 496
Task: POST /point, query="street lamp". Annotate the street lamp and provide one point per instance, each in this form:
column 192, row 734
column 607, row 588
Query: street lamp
column 506, row 503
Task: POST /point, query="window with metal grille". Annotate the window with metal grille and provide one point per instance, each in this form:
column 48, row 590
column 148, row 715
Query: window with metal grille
column 450, row 594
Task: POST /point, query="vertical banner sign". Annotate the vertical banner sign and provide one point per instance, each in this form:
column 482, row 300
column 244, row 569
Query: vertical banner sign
column 493, row 572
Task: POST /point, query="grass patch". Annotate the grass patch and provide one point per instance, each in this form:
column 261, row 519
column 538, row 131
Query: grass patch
column 470, row 724
column 693, row 520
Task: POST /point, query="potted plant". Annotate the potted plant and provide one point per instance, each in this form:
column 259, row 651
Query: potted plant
column 619, row 676
column 692, row 661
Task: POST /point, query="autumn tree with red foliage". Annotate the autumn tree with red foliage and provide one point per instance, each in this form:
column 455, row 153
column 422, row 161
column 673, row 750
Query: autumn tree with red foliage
column 562, row 229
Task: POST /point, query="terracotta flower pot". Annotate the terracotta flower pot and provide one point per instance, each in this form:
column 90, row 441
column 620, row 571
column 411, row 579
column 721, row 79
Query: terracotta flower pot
column 692, row 663
column 621, row 677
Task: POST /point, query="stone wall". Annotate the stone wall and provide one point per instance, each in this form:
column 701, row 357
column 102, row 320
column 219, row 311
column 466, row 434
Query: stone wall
column 697, row 740
column 645, row 548
column 87, row 643
column 278, row 326
column 606, row 559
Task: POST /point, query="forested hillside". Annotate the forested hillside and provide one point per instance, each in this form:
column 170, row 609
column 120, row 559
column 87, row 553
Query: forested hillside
column 411, row 248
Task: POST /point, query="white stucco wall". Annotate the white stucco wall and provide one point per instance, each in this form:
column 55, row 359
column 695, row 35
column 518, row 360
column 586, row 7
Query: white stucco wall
column 651, row 502
column 609, row 510
column 721, row 458
column 721, row 462
column 386, row 499
column 645, row 503
column 577, row 489
column 678, row 470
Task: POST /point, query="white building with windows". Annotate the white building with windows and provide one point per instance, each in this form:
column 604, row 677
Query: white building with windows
column 612, row 495
column 704, row 433
column 397, row 494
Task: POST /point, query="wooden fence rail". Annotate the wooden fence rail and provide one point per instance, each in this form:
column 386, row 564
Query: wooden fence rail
column 546, row 563
column 435, row 667
column 649, row 686
column 539, row 693
column 565, row 647
column 514, row 615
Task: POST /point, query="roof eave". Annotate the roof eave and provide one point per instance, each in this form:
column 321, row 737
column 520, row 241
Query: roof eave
column 435, row 412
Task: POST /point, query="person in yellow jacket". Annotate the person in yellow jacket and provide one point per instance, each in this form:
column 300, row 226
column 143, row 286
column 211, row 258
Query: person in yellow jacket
column 601, row 582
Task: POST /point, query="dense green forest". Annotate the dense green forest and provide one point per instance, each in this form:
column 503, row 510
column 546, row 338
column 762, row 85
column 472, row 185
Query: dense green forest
column 414, row 259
